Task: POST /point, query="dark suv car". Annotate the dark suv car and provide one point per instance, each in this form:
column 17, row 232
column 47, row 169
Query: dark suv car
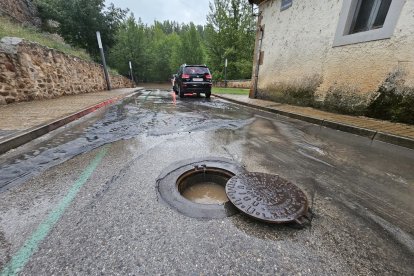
column 192, row 79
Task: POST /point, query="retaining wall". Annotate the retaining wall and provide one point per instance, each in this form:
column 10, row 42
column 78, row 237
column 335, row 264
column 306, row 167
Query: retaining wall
column 29, row 71
column 235, row 84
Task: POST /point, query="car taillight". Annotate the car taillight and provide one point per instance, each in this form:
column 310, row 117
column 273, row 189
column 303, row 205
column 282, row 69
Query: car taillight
column 185, row 76
column 209, row 77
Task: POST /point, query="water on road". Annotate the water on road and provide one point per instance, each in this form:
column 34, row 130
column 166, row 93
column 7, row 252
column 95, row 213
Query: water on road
column 361, row 193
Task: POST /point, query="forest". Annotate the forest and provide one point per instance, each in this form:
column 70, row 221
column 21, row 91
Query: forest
column 157, row 50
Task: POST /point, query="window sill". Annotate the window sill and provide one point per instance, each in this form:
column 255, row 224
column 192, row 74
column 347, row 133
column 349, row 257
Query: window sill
column 361, row 37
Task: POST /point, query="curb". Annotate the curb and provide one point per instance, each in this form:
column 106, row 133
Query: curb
column 369, row 133
column 20, row 138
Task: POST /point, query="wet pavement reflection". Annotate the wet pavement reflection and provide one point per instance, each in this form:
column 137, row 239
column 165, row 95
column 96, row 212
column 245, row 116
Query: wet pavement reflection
column 149, row 113
column 365, row 187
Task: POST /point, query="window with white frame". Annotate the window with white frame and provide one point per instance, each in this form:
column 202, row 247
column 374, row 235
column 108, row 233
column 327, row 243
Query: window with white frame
column 367, row 20
column 370, row 14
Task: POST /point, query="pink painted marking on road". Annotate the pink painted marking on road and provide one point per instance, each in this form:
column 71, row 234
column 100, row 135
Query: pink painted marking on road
column 174, row 97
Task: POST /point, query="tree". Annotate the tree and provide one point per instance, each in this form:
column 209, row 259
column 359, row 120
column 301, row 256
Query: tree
column 156, row 51
column 191, row 50
column 130, row 45
column 159, row 53
column 230, row 35
column 80, row 19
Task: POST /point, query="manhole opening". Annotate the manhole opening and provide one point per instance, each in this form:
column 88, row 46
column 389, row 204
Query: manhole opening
column 204, row 185
column 177, row 180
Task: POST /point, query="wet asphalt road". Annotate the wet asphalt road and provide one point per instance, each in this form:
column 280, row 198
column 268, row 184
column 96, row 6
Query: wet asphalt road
column 114, row 224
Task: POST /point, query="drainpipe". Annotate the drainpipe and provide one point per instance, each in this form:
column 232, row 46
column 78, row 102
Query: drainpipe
column 259, row 50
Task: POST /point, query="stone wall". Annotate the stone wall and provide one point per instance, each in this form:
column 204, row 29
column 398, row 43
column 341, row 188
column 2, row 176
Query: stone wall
column 29, row 71
column 22, row 11
column 298, row 47
column 245, row 84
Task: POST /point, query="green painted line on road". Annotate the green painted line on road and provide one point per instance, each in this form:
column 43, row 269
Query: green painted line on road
column 22, row 257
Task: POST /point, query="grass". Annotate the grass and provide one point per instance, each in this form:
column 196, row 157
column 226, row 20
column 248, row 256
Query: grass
column 8, row 28
column 233, row 91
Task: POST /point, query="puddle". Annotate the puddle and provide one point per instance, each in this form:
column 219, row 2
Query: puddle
column 131, row 118
column 206, row 193
column 204, row 185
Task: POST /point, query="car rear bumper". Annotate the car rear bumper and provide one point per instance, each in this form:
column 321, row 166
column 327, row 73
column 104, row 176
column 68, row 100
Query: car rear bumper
column 196, row 86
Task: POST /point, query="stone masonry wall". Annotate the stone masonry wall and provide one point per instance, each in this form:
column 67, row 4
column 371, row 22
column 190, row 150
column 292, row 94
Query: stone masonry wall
column 29, row 71
column 23, row 11
column 245, row 84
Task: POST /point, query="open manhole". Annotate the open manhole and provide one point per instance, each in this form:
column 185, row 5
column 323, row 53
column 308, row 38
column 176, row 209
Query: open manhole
column 218, row 188
column 196, row 187
column 204, row 185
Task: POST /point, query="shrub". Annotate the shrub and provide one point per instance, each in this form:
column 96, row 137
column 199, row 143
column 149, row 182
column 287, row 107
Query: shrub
column 345, row 100
column 300, row 92
column 8, row 28
column 394, row 100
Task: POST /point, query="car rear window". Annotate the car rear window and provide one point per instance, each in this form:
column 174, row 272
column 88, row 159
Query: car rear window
column 196, row 70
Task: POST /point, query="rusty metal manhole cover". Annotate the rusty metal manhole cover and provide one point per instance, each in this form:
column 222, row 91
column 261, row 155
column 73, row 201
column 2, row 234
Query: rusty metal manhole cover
column 267, row 197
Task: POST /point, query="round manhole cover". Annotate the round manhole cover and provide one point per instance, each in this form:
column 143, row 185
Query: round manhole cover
column 267, row 197
column 195, row 187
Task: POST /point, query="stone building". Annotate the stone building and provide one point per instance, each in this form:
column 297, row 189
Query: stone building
column 346, row 48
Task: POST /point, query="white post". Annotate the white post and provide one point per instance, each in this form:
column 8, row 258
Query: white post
column 130, row 71
column 108, row 83
column 225, row 73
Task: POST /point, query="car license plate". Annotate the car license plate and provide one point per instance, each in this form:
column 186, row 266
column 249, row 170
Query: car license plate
column 197, row 79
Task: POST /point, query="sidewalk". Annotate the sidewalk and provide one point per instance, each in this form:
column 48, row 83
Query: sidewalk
column 25, row 121
column 394, row 133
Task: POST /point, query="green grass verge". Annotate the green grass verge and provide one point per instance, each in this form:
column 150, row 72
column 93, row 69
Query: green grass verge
column 7, row 28
column 233, row 91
